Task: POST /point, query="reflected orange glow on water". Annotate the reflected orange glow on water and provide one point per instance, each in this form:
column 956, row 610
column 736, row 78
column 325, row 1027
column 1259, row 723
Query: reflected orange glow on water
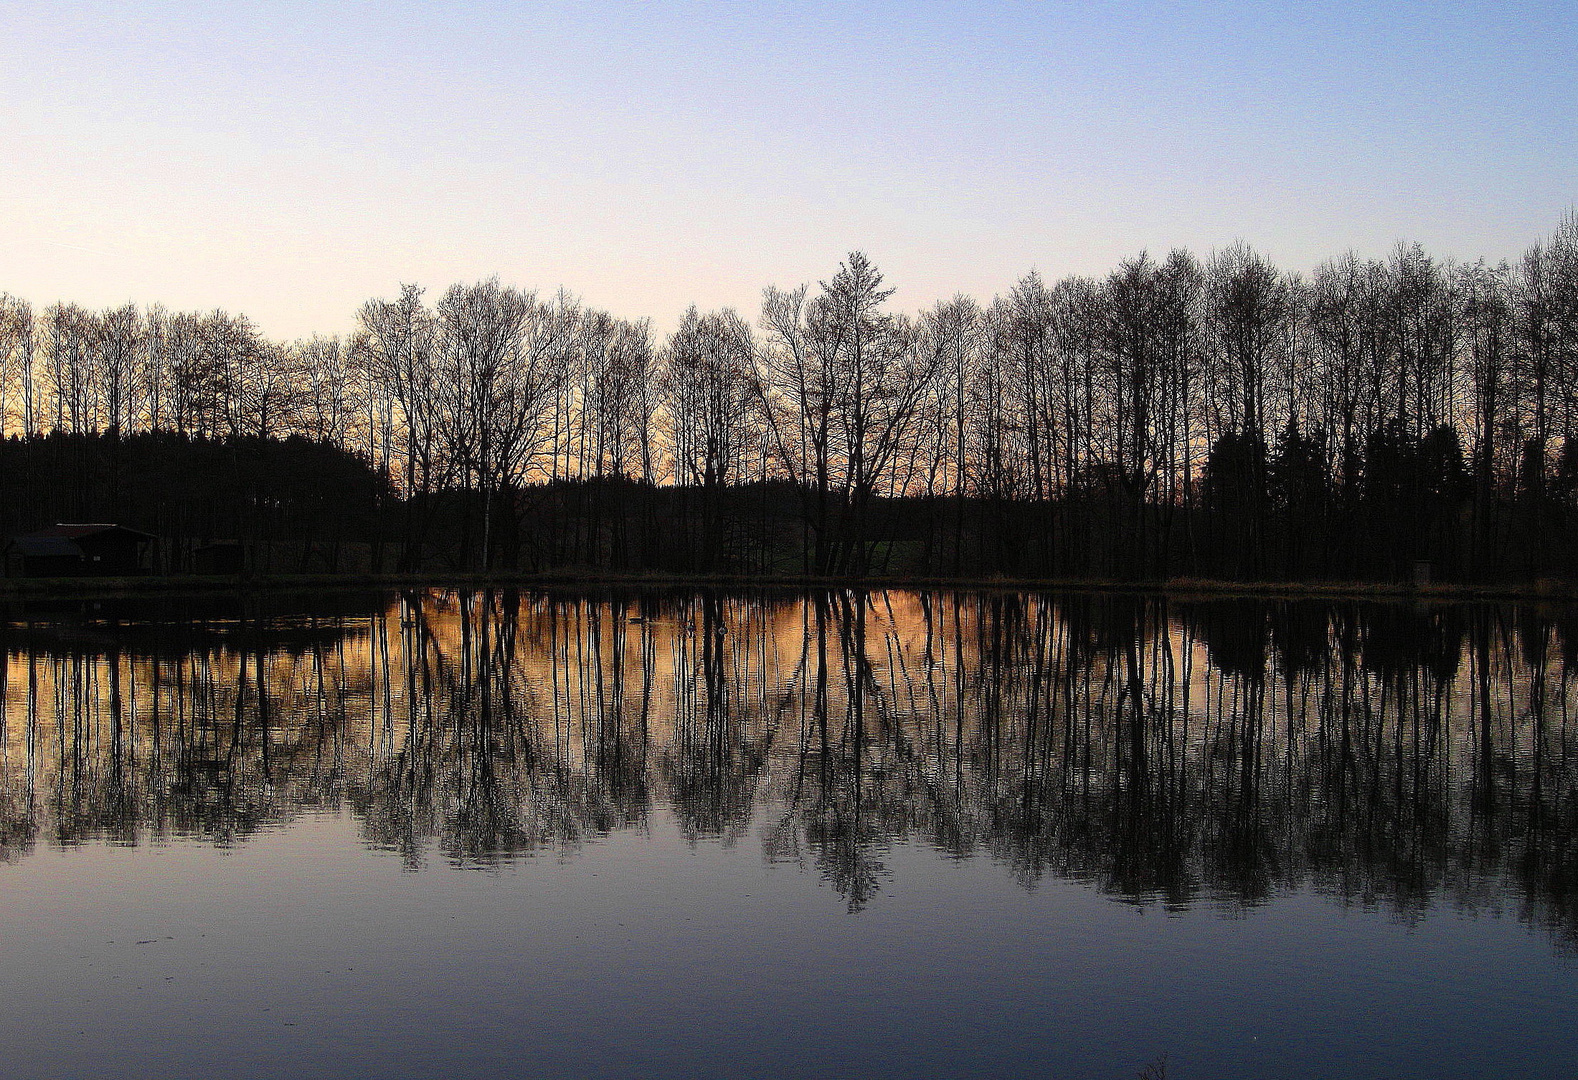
column 1170, row 751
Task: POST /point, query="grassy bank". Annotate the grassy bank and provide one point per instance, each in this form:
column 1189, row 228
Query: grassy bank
column 1545, row 589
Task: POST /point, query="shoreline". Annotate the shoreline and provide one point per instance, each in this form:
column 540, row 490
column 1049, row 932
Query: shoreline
column 89, row 588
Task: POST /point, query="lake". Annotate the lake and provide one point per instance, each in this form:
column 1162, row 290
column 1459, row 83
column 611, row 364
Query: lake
column 699, row 834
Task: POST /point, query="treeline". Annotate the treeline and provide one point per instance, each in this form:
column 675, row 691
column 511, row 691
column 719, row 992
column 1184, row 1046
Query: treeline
column 1218, row 417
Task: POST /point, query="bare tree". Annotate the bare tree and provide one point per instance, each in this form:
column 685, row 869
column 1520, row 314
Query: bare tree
column 710, row 396
column 16, row 364
column 953, row 332
column 1421, row 310
column 1247, row 305
column 206, row 354
column 1488, row 330
column 1349, row 410
column 620, row 396
column 153, row 385
column 844, row 384
column 328, row 398
column 1134, row 380
column 256, row 396
column 502, row 359
column 396, row 353
column 116, row 361
column 68, row 333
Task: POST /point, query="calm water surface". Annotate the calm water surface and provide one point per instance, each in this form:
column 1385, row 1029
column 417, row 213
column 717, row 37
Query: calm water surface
column 835, row 835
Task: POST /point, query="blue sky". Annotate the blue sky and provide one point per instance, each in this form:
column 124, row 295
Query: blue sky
column 292, row 159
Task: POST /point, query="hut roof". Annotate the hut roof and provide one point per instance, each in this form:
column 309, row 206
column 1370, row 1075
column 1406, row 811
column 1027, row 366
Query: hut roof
column 35, row 546
column 73, row 531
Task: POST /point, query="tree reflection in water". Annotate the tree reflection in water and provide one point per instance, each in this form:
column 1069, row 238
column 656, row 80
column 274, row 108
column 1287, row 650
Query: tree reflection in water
column 1169, row 751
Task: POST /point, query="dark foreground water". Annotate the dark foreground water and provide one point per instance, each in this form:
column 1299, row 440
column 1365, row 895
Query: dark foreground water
column 833, row 836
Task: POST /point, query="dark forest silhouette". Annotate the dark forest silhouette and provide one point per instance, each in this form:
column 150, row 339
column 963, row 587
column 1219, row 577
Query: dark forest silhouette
column 1220, row 419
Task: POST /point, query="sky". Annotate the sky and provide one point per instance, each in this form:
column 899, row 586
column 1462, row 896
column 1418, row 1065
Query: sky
column 292, row 159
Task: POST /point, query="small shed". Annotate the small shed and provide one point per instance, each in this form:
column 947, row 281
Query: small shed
column 80, row 550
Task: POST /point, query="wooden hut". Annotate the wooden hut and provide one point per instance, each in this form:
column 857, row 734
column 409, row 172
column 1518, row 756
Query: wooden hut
column 80, row 550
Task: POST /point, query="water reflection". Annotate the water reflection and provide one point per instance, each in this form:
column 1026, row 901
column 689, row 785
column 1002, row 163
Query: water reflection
column 1174, row 752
